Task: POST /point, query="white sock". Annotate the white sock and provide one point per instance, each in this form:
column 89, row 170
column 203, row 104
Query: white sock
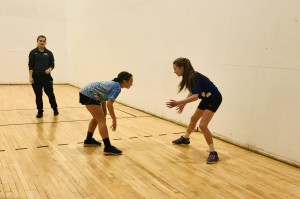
column 186, row 135
column 211, row 147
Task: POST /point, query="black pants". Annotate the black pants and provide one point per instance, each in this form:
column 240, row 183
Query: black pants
column 46, row 82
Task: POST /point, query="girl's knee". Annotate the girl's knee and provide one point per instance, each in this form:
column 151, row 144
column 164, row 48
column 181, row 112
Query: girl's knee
column 94, row 121
column 194, row 118
column 203, row 126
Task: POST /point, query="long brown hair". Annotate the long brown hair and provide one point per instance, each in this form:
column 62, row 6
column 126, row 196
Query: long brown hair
column 188, row 79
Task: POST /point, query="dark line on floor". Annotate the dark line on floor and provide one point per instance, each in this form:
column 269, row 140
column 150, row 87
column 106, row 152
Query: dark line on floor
column 32, row 109
column 20, row 148
column 42, row 146
column 52, row 122
column 126, row 112
column 63, row 144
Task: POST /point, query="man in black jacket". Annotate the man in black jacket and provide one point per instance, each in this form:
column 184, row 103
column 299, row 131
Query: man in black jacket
column 41, row 63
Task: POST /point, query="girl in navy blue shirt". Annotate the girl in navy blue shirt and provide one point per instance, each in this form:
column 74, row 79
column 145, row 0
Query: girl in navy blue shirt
column 200, row 87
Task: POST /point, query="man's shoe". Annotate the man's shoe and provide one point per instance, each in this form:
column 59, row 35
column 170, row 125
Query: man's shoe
column 39, row 114
column 181, row 140
column 91, row 142
column 55, row 112
column 212, row 158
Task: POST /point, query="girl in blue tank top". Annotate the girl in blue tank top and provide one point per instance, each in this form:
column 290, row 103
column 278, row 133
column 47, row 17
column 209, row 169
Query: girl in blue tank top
column 199, row 87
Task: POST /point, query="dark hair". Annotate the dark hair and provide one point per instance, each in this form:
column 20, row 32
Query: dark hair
column 188, row 79
column 122, row 76
column 41, row 36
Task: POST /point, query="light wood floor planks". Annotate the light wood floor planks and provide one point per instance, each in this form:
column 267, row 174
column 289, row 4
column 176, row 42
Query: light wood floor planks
column 45, row 158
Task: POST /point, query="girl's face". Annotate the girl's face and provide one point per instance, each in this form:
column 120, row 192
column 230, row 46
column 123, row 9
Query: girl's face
column 41, row 42
column 127, row 84
column 178, row 70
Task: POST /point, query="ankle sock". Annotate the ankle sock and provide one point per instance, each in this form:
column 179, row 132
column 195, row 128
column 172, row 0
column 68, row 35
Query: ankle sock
column 211, row 147
column 186, row 135
column 106, row 142
column 89, row 135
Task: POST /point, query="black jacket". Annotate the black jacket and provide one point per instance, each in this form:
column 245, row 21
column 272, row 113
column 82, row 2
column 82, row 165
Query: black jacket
column 40, row 61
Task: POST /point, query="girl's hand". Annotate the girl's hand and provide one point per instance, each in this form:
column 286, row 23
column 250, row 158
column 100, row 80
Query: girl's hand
column 114, row 125
column 172, row 103
column 180, row 108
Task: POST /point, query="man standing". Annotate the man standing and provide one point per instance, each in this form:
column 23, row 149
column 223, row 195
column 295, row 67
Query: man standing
column 41, row 63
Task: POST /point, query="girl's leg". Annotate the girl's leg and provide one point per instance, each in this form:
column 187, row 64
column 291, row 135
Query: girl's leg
column 98, row 116
column 90, row 141
column 206, row 118
column 92, row 125
column 193, row 121
column 97, row 113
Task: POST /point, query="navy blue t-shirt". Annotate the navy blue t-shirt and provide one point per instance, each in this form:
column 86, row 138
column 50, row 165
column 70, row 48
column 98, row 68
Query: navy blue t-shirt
column 204, row 87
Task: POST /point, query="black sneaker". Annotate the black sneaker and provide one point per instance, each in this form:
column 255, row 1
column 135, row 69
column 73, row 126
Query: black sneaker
column 55, row 112
column 212, row 158
column 112, row 151
column 39, row 114
column 181, row 140
column 91, row 142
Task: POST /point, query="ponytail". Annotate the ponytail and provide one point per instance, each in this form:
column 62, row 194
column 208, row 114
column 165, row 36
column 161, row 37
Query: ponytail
column 122, row 76
column 116, row 79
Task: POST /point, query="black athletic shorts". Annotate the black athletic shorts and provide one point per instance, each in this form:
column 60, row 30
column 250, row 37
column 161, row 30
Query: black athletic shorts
column 85, row 100
column 211, row 103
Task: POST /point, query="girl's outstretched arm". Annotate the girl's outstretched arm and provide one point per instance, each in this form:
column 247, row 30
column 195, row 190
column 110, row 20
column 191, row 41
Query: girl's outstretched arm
column 190, row 98
column 180, row 107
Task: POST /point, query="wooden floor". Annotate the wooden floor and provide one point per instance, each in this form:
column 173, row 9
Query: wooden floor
column 45, row 158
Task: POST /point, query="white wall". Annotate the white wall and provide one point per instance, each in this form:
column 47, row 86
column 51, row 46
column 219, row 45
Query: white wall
column 249, row 49
column 21, row 22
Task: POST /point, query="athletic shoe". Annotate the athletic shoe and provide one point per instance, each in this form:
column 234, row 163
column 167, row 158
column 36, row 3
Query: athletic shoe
column 212, row 158
column 181, row 140
column 112, row 151
column 91, row 142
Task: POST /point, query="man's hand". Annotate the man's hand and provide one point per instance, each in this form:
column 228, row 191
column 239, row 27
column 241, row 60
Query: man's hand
column 48, row 71
column 31, row 80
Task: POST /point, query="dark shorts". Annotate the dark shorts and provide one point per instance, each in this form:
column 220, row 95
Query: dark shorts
column 85, row 100
column 212, row 103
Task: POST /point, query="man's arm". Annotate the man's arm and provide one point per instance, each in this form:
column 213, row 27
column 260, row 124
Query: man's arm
column 30, row 76
column 30, row 65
